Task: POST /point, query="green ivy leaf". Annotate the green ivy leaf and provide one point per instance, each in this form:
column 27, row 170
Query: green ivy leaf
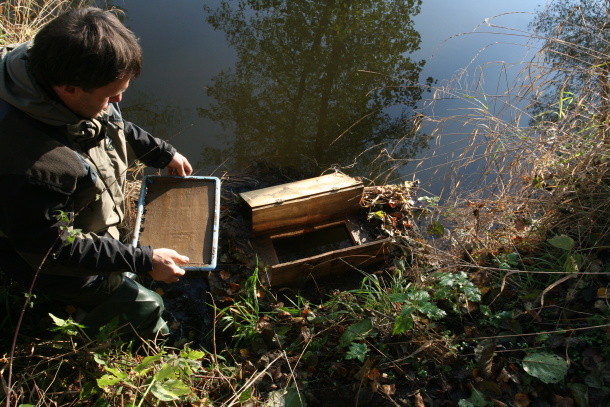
column 107, row 380
column 357, row 351
column 432, row 311
column 547, row 367
column 580, row 392
column 147, row 362
column 170, row 390
column 116, row 372
column 192, row 354
column 246, row 395
column 402, row 324
column 292, row 398
column 358, row 330
column 477, row 399
column 562, row 242
column 570, row 266
column 167, row 371
column 67, row 326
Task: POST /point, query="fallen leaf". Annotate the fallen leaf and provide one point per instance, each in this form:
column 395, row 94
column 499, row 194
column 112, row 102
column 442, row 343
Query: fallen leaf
column 419, row 400
column 388, row 389
column 224, row 274
column 374, row 374
column 521, row 400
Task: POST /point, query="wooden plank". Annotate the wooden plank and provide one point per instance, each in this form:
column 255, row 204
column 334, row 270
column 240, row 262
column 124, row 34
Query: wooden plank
column 298, row 189
column 179, row 214
column 328, row 265
column 264, row 248
column 308, row 210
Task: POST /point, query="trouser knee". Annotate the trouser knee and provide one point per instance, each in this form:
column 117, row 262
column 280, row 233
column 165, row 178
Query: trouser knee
column 135, row 306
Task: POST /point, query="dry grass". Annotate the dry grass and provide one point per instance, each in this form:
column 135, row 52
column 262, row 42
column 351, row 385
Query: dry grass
column 132, row 197
column 527, row 156
column 20, row 20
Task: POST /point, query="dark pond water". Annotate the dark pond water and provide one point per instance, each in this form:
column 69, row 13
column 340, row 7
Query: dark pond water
column 312, row 85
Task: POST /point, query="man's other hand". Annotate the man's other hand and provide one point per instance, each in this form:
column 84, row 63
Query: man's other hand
column 164, row 265
column 179, row 165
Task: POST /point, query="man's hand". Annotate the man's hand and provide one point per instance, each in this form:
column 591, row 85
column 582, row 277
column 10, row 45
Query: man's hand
column 179, row 165
column 164, row 265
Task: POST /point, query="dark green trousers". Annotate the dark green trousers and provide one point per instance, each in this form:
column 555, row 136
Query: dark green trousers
column 116, row 295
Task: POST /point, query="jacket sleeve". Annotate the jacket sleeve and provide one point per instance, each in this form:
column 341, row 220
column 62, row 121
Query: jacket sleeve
column 152, row 151
column 102, row 254
column 34, row 233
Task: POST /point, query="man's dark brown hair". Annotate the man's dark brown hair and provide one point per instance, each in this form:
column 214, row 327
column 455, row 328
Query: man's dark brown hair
column 85, row 47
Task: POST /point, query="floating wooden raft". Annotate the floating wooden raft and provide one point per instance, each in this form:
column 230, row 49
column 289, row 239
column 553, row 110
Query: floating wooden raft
column 307, row 229
column 181, row 213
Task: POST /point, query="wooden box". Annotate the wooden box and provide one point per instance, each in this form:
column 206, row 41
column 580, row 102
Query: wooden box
column 181, row 213
column 308, row 229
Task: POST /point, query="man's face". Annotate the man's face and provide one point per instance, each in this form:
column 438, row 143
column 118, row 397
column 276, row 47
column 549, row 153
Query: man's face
column 90, row 104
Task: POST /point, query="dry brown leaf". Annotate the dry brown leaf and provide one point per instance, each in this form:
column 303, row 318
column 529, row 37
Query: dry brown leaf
column 365, row 369
column 388, row 389
column 521, row 400
column 374, row 374
column 484, row 354
column 305, row 334
column 419, row 400
column 225, row 275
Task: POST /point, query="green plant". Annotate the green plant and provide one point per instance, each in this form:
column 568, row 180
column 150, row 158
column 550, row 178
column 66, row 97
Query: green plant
column 67, row 232
column 243, row 316
column 456, row 289
column 547, row 367
column 415, row 302
column 65, row 326
column 164, row 375
column 357, row 351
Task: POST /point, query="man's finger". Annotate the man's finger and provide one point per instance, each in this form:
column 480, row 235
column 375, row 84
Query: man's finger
column 181, row 259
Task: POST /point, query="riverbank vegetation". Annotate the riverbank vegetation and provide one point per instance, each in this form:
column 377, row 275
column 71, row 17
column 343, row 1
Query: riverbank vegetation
column 496, row 293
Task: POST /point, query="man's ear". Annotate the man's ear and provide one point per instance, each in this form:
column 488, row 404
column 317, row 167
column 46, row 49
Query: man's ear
column 68, row 94
column 65, row 90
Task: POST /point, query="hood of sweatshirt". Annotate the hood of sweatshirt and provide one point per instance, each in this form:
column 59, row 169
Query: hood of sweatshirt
column 18, row 87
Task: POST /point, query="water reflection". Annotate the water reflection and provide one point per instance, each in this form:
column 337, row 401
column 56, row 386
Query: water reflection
column 314, row 83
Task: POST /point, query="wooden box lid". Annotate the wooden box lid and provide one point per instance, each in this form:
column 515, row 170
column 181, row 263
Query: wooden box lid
column 303, row 202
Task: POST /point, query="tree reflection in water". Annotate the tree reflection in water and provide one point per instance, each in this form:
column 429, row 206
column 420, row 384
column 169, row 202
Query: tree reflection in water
column 315, row 82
